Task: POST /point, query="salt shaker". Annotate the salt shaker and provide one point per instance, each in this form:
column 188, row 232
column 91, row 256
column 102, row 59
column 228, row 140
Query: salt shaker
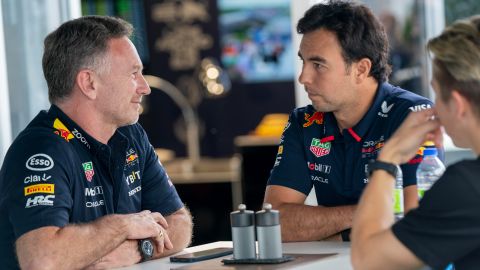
column 268, row 233
column 243, row 233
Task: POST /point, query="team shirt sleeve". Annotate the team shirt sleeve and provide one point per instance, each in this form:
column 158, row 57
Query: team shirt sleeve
column 158, row 192
column 409, row 169
column 290, row 168
column 444, row 227
column 39, row 192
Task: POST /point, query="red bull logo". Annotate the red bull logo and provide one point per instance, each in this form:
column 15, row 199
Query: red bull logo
column 316, row 118
column 62, row 130
column 131, row 158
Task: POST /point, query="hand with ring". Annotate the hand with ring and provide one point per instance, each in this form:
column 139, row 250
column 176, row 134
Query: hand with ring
column 162, row 241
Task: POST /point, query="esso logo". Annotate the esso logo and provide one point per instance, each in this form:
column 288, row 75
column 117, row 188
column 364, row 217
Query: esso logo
column 39, row 162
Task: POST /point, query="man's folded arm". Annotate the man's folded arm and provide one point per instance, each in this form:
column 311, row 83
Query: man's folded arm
column 78, row 246
column 300, row 222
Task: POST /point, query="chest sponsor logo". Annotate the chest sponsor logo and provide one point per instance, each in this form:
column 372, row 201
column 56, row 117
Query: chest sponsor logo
column 131, row 178
column 36, row 178
column 319, row 167
column 385, row 109
column 94, row 203
column 371, row 148
column 39, row 162
column 40, row 200
column 320, row 179
column 315, row 118
column 131, row 157
column 39, row 188
column 93, row 191
column 420, row 107
column 88, row 169
column 80, row 137
column 62, row 130
column 320, row 149
column 135, row 190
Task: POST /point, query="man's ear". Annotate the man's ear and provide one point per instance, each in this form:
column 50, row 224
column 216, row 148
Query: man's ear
column 362, row 69
column 86, row 83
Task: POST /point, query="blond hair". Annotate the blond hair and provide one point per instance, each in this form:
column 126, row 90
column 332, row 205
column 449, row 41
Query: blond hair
column 456, row 53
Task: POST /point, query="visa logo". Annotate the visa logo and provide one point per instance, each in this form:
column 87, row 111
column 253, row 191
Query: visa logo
column 420, row 107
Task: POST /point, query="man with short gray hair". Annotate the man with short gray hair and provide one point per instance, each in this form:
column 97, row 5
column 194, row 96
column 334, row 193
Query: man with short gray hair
column 81, row 186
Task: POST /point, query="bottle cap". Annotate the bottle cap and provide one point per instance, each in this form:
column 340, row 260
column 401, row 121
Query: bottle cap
column 430, row 152
column 242, row 217
column 267, row 216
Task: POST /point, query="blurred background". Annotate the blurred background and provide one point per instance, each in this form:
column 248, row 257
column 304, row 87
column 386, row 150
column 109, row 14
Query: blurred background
column 225, row 71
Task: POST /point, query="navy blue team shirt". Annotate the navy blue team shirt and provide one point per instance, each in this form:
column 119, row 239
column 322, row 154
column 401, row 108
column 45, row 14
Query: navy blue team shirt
column 55, row 174
column 313, row 151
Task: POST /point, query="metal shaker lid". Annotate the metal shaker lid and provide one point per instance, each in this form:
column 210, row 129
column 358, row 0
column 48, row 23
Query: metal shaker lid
column 242, row 217
column 267, row 216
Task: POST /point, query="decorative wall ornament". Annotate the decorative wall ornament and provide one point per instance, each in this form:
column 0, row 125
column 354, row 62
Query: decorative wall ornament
column 184, row 43
column 184, row 38
column 186, row 11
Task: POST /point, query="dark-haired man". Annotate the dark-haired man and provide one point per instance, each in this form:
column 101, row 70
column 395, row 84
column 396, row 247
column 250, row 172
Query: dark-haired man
column 354, row 110
column 81, row 186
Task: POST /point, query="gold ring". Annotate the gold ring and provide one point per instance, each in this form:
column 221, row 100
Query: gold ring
column 161, row 233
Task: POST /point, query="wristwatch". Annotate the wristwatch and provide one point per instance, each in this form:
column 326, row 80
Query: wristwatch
column 390, row 168
column 146, row 249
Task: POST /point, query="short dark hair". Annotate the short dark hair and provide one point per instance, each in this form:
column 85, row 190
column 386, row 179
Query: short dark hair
column 456, row 53
column 77, row 44
column 359, row 32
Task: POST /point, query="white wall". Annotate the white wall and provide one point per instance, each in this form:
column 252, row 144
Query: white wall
column 5, row 128
column 298, row 8
column 26, row 23
column 23, row 90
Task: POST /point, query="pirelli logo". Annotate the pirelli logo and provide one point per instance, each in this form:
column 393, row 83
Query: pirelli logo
column 40, row 188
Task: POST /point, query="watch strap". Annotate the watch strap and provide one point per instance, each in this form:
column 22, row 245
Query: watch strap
column 390, row 168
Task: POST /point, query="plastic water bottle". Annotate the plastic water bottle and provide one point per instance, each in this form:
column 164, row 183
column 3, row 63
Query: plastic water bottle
column 428, row 171
column 398, row 195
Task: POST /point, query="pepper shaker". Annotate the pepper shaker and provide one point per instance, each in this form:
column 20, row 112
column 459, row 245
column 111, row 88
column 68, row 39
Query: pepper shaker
column 268, row 233
column 243, row 233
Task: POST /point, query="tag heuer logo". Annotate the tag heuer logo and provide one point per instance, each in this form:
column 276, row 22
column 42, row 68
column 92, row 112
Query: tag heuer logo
column 88, row 168
column 320, row 149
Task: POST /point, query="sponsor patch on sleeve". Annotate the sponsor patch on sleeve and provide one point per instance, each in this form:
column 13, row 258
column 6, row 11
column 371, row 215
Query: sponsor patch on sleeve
column 39, row 162
column 40, row 188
